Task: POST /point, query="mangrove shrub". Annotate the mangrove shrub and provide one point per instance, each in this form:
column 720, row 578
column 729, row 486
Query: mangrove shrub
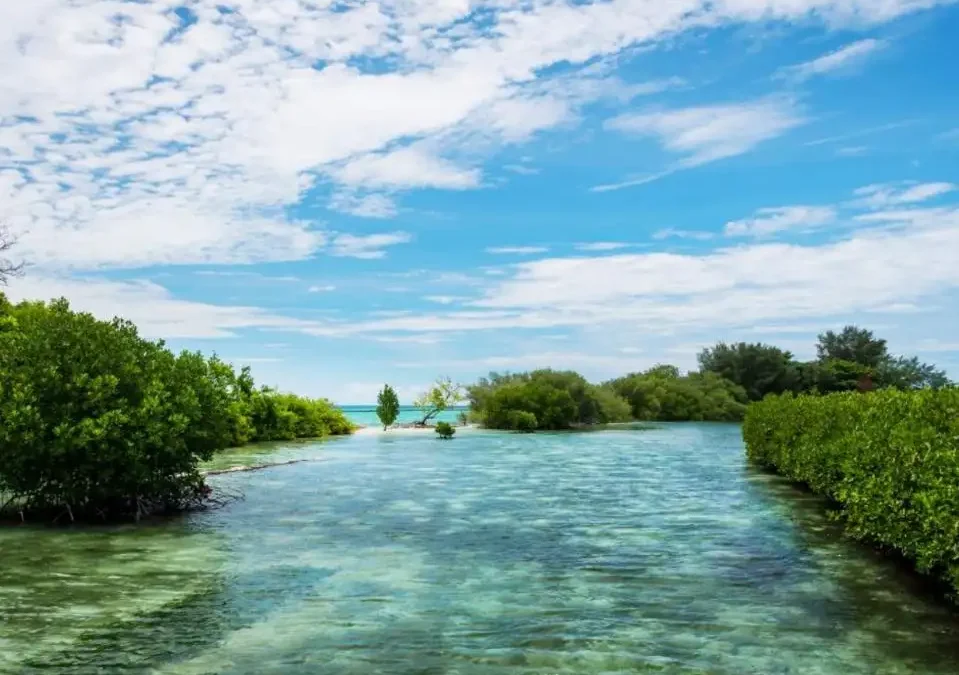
column 889, row 459
column 662, row 394
column 98, row 421
column 445, row 430
column 544, row 400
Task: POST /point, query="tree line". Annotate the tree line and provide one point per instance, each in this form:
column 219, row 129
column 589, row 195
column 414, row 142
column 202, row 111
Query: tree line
column 98, row 422
column 889, row 462
column 730, row 376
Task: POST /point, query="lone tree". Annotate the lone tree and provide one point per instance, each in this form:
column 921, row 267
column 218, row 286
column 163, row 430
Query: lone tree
column 444, row 394
column 387, row 406
column 8, row 268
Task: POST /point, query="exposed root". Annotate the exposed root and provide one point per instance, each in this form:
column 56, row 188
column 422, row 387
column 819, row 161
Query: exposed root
column 240, row 469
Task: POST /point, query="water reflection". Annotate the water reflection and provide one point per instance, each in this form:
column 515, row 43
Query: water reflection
column 655, row 550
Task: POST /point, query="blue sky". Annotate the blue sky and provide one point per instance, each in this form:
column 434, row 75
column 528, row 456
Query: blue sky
column 342, row 194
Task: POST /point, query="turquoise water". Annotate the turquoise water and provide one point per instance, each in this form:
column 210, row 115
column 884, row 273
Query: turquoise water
column 366, row 414
column 494, row 554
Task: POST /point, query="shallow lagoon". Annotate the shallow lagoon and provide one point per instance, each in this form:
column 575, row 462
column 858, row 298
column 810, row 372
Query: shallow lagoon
column 605, row 552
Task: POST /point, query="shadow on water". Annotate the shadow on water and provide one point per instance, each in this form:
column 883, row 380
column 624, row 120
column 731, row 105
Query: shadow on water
column 883, row 593
column 608, row 552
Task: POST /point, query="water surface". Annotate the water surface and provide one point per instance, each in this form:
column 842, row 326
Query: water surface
column 366, row 414
column 493, row 554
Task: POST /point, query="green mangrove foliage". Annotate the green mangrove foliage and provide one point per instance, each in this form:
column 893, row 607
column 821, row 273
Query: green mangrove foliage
column 387, row 406
column 729, row 377
column 849, row 360
column 543, row 400
column 443, row 395
column 96, row 421
column 759, row 369
column 662, row 394
column 889, row 459
column 445, row 430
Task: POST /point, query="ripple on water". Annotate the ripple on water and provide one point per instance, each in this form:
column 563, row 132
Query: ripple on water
column 620, row 552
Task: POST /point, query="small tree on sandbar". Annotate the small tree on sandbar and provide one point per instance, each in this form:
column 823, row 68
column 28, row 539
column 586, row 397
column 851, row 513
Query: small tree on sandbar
column 443, row 395
column 387, row 406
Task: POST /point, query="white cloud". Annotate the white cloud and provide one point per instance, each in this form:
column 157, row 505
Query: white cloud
column 579, row 361
column 364, row 206
column 410, row 167
column 367, row 247
column 860, row 133
column 743, row 286
column 842, row 61
column 154, row 310
column 136, row 140
column 521, row 169
column 256, row 276
column 909, row 218
column 516, row 250
column 596, row 246
column 852, row 151
column 443, row 299
column 708, row 133
column 899, row 308
column 421, row 339
column 359, row 393
column 894, row 194
column 633, row 182
column 321, row 289
column 772, row 221
column 937, row 346
column 673, row 233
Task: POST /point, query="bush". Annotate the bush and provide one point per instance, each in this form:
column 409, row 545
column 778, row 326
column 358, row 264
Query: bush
column 548, row 399
column 275, row 416
column 99, row 422
column 759, row 369
column 521, row 420
column 96, row 418
column 445, row 430
column 662, row 394
column 889, row 459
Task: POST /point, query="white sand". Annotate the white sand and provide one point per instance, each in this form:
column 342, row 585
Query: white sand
column 378, row 430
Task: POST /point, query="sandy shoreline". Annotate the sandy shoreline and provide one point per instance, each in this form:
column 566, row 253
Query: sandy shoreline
column 378, row 431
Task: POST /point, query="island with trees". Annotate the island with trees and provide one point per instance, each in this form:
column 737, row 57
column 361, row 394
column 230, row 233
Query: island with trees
column 729, row 378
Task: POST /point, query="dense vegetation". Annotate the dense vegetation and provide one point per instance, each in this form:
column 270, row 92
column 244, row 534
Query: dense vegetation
column 543, row 399
column 663, row 394
column 889, row 459
column 97, row 421
column 730, row 376
column 849, row 360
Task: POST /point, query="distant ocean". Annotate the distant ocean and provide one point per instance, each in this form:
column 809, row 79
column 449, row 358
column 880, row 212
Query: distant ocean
column 366, row 414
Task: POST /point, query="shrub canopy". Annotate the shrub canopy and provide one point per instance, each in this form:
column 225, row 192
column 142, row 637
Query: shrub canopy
column 95, row 419
column 889, row 459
